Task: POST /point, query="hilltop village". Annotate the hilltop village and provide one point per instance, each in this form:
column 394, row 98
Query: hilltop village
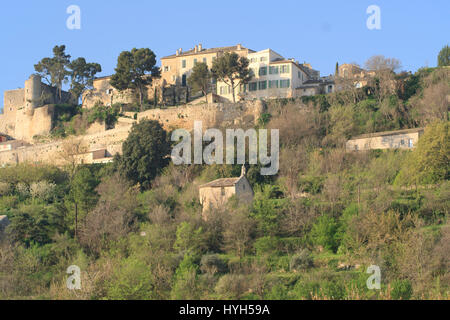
column 30, row 114
column 88, row 179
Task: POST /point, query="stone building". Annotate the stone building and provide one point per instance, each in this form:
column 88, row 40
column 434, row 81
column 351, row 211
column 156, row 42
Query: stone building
column 274, row 76
column 215, row 194
column 104, row 93
column 176, row 68
column 29, row 111
column 400, row 139
column 351, row 71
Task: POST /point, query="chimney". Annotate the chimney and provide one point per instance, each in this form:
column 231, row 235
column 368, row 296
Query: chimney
column 239, row 47
column 178, row 52
column 243, row 171
column 195, row 49
column 200, row 47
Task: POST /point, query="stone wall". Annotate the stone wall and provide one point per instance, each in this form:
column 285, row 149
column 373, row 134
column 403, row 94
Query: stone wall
column 211, row 115
column 110, row 140
column 28, row 112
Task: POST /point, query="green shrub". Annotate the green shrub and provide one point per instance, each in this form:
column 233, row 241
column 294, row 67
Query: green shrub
column 401, row 290
column 301, row 261
column 266, row 245
column 213, row 263
column 324, row 233
column 131, row 281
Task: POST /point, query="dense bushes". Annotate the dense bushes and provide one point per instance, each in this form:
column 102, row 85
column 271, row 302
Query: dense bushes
column 310, row 232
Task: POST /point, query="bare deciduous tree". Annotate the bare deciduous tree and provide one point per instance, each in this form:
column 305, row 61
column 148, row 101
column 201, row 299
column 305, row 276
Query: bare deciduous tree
column 71, row 152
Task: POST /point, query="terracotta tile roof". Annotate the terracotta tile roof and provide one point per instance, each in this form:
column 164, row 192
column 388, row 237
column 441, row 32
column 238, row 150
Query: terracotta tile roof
column 206, row 51
column 224, row 182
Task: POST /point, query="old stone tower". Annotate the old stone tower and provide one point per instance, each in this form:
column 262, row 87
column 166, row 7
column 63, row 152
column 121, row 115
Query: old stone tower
column 32, row 93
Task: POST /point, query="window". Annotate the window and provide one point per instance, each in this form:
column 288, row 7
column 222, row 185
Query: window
column 195, row 62
column 285, row 83
column 262, row 85
column 284, row 68
column 225, row 90
column 252, row 86
column 274, row 70
column 402, row 142
column 183, row 63
column 262, row 71
column 410, row 143
column 222, row 191
column 356, row 147
column 273, row 83
column 263, row 59
column 252, row 60
column 166, row 68
column 204, row 60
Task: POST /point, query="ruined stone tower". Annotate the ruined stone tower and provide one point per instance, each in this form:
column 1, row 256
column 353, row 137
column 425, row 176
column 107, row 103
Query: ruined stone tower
column 33, row 91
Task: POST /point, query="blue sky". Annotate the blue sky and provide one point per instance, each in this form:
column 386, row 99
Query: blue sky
column 319, row 32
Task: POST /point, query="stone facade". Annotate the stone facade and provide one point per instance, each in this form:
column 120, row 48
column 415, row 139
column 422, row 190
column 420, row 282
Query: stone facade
column 104, row 93
column 176, row 68
column 215, row 194
column 29, row 112
column 400, row 139
column 109, row 142
column 353, row 72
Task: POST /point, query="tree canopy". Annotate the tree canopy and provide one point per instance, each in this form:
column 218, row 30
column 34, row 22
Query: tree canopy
column 444, row 57
column 232, row 70
column 135, row 70
column 53, row 70
column 82, row 75
column 57, row 70
column 145, row 152
column 200, row 78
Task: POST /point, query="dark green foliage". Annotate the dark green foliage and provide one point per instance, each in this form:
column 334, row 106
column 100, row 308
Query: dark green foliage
column 231, row 69
column 444, row 57
column 54, row 69
column 135, row 70
column 35, row 224
column 401, row 290
column 144, row 152
column 104, row 114
column 200, row 78
column 324, row 233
